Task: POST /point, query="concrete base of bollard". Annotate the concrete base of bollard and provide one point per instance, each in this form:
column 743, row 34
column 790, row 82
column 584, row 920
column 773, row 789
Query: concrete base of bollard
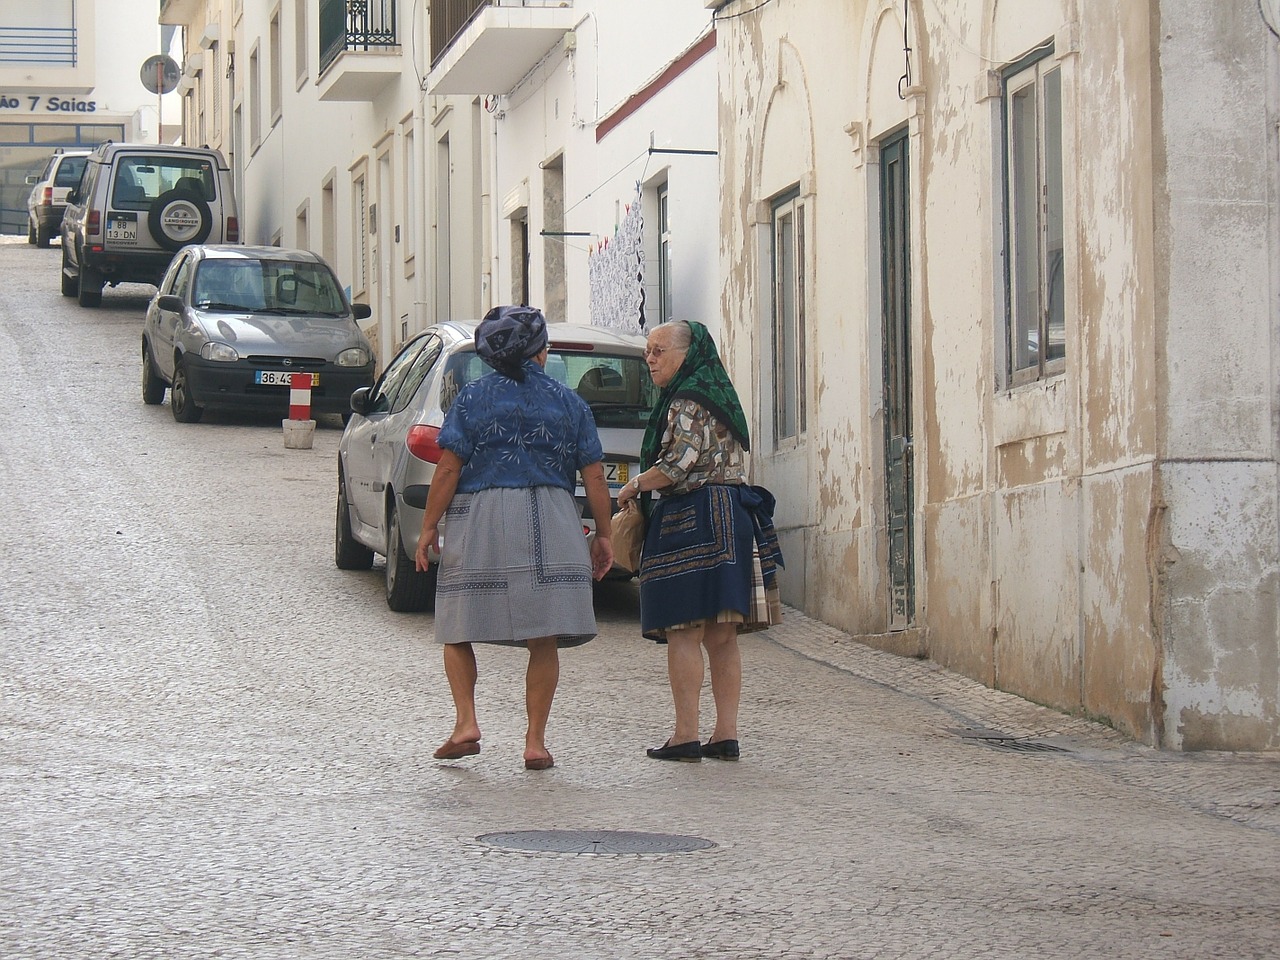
column 298, row 434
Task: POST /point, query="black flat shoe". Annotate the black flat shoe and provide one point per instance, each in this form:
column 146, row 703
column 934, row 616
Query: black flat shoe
column 721, row 749
column 690, row 752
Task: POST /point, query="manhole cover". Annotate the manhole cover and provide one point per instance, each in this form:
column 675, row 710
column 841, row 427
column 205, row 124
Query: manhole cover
column 594, row 841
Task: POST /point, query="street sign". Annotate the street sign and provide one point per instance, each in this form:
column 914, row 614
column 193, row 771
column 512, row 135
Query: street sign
column 160, row 74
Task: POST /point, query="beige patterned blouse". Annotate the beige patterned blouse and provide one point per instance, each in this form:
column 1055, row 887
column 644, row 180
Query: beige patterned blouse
column 697, row 449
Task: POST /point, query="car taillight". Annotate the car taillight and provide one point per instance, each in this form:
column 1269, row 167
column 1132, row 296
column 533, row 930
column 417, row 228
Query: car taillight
column 46, row 197
column 421, row 442
column 93, row 225
column 233, row 230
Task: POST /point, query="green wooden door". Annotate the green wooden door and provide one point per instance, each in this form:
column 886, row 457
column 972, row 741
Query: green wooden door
column 895, row 273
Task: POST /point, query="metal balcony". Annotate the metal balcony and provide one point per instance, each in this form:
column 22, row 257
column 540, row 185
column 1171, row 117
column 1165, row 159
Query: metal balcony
column 360, row 50
column 39, row 46
column 489, row 46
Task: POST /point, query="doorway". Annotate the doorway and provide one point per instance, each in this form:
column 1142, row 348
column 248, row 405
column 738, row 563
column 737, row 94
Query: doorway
column 895, row 300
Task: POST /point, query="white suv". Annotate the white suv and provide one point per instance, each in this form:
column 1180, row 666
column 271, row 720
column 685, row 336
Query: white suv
column 48, row 198
column 135, row 206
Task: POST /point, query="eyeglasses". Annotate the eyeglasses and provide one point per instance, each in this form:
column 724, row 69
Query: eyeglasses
column 655, row 352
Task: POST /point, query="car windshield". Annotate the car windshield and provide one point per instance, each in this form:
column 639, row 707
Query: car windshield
column 268, row 286
column 617, row 388
column 69, row 171
column 141, row 179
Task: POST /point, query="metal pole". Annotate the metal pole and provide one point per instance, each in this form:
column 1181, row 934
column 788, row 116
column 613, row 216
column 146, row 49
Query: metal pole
column 159, row 102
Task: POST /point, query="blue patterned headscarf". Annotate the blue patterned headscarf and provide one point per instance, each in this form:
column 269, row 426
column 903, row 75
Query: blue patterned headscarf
column 508, row 336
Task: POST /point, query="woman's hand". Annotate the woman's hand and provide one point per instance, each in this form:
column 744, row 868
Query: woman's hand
column 630, row 490
column 443, row 484
column 428, row 539
column 601, row 556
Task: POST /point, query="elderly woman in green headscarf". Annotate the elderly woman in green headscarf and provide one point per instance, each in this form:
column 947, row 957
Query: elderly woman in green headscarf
column 710, row 559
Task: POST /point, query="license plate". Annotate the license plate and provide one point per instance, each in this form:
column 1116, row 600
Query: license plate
column 123, row 227
column 279, row 378
column 616, row 473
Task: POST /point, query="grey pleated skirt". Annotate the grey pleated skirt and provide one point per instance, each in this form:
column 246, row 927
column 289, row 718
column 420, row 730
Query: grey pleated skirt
column 514, row 566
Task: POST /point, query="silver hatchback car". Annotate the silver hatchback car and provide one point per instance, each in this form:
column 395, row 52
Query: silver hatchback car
column 231, row 325
column 388, row 453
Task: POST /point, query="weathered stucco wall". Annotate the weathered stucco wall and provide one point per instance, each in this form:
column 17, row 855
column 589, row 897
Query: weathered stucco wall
column 1103, row 540
column 1221, row 569
column 781, row 114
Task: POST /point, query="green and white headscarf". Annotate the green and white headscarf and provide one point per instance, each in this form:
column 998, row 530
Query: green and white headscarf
column 703, row 378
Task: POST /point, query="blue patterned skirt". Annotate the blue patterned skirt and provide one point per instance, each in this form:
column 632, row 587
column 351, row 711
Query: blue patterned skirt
column 706, row 552
column 514, row 566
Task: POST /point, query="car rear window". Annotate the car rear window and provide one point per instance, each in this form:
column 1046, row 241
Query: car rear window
column 141, row 179
column 617, row 388
column 69, row 171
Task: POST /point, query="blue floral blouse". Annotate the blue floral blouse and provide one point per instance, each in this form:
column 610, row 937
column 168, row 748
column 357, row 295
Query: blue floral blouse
column 531, row 434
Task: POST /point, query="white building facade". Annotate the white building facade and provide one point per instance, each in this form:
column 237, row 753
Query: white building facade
column 319, row 109
column 1003, row 282
column 70, row 77
column 599, row 156
column 444, row 165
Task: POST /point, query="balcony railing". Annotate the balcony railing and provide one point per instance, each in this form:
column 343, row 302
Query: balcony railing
column 355, row 25
column 46, row 46
column 449, row 17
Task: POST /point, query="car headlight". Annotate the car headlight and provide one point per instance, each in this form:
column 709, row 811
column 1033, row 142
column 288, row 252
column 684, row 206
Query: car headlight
column 222, row 352
column 353, row 357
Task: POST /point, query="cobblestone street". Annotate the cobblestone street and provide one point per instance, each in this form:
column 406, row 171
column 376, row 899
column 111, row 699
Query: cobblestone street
column 213, row 743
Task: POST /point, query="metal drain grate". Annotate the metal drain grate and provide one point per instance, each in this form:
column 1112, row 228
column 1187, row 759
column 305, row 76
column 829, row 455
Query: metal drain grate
column 594, row 841
column 1025, row 746
column 1004, row 741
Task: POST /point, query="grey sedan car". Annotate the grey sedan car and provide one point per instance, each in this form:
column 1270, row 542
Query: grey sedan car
column 230, row 325
column 388, row 453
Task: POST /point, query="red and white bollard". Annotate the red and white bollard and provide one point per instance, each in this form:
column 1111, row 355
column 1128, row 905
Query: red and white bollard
column 299, row 429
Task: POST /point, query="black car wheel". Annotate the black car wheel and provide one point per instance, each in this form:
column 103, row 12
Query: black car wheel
column 90, row 288
column 31, row 231
column 348, row 553
column 408, row 589
column 70, row 284
column 178, row 218
column 152, row 386
column 43, row 236
column 183, row 408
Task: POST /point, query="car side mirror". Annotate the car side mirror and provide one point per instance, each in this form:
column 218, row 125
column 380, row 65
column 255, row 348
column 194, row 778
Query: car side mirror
column 360, row 399
column 361, row 311
column 32, row 179
column 171, row 303
column 73, row 195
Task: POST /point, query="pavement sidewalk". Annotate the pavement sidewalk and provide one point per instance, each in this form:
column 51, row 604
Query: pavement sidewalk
column 1241, row 787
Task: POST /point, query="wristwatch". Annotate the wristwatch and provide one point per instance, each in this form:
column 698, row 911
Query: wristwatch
column 634, row 482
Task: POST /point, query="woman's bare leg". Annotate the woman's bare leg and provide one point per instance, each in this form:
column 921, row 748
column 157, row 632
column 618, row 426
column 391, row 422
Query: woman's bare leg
column 460, row 668
column 685, row 671
column 721, row 641
column 539, row 690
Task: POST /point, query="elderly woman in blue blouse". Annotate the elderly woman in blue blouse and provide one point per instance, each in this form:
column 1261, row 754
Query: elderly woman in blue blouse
column 515, row 568
column 710, row 558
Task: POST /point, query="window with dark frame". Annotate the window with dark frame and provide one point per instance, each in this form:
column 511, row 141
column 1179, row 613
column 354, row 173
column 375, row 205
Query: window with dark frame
column 787, row 320
column 665, row 301
column 1034, row 241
